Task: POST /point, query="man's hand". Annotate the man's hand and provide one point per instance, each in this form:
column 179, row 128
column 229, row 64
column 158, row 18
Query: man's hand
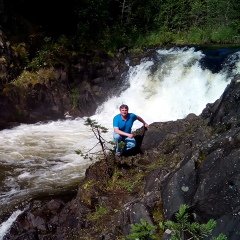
column 142, row 121
column 146, row 125
column 130, row 135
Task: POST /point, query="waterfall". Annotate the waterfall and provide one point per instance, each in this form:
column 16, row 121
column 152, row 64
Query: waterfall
column 40, row 158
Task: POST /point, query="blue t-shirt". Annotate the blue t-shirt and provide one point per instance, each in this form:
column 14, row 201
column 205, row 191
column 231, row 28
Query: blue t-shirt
column 125, row 126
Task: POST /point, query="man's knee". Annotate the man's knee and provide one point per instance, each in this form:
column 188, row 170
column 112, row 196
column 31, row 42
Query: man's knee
column 117, row 137
column 130, row 143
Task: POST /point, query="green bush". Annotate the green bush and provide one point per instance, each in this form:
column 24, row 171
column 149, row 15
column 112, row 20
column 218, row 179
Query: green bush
column 52, row 54
column 142, row 231
column 32, row 78
column 198, row 36
column 183, row 227
column 223, row 35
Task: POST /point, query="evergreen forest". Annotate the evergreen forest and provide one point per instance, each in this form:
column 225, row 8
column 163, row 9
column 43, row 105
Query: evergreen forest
column 110, row 25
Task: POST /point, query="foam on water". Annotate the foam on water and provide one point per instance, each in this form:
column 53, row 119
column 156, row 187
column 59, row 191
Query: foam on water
column 40, row 157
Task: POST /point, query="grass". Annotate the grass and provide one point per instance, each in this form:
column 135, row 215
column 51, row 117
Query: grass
column 193, row 36
column 32, row 78
column 96, row 216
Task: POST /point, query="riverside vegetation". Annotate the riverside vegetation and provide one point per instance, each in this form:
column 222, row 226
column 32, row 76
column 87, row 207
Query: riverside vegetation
column 118, row 26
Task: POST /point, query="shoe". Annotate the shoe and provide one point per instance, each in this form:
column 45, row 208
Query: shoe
column 118, row 154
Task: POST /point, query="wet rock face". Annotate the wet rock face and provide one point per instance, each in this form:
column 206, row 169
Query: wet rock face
column 209, row 183
column 224, row 114
column 76, row 91
column 209, row 180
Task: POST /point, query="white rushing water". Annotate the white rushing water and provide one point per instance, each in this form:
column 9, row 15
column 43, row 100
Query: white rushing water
column 7, row 224
column 40, row 158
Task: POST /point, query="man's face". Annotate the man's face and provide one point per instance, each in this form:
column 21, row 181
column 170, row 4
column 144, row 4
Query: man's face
column 124, row 112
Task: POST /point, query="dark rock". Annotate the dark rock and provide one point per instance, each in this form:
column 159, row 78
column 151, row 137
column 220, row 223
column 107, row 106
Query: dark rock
column 132, row 214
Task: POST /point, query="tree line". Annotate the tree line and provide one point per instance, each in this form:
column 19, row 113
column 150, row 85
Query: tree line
column 141, row 22
column 113, row 24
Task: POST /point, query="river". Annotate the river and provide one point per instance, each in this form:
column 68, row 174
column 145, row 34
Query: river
column 40, row 159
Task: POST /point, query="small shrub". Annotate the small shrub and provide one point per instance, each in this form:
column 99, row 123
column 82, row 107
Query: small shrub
column 32, row 78
column 223, row 35
column 20, row 50
column 183, row 227
column 97, row 131
column 74, row 97
column 142, row 231
column 198, row 36
column 51, row 55
column 27, row 78
column 96, row 216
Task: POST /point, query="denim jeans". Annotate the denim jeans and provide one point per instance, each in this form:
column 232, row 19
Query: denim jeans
column 129, row 142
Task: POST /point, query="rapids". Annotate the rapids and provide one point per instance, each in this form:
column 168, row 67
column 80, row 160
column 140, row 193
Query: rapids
column 40, row 159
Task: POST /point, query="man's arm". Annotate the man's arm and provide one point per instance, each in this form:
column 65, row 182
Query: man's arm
column 142, row 121
column 118, row 131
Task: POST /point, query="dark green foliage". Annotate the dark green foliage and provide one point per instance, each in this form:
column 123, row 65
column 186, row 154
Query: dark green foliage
column 93, row 19
column 184, row 227
column 111, row 24
column 108, row 25
column 142, row 231
column 52, row 54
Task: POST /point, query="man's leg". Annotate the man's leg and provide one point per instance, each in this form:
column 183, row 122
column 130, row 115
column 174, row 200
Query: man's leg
column 130, row 143
column 117, row 138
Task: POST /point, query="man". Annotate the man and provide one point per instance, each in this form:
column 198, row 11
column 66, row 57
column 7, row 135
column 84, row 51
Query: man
column 122, row 124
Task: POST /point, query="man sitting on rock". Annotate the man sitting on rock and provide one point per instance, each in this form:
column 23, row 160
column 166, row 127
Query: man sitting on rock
column 122, row 124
